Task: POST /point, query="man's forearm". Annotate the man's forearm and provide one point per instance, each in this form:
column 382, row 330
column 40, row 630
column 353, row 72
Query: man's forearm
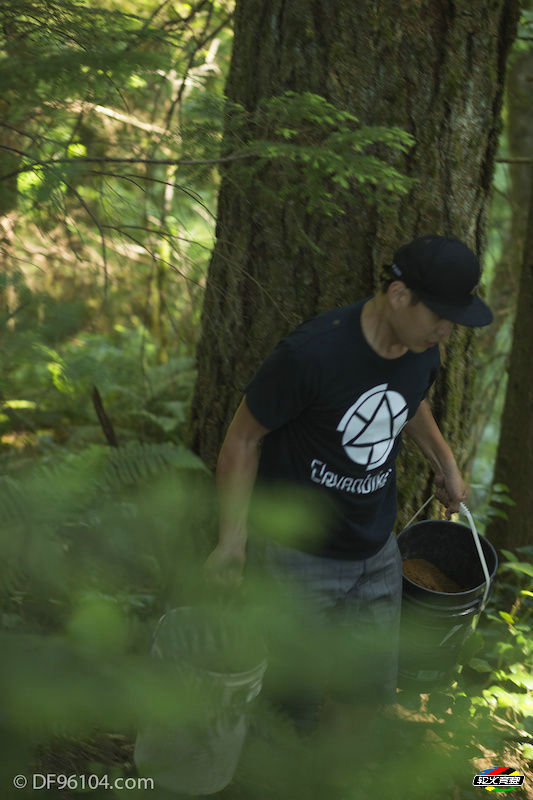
column 424, row 431
column 235, row 477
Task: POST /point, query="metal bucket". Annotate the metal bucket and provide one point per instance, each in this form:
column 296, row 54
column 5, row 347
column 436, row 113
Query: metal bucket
column 199, row 756
column 435, row 624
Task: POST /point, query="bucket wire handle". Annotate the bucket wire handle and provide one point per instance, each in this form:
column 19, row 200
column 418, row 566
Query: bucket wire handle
column 481, row 554
column 463, row 509
column 415, row 515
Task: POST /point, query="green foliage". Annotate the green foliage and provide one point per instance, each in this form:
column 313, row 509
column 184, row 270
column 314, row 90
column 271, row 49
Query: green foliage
column 522, row 42
column 323, row 152
column 490, row 502
column 138, row 393
column 97, row 105
column 92, row 546
column 486, row 712
column 96, row 546
column 49, row 368
column 53, row 47
column 498, row 658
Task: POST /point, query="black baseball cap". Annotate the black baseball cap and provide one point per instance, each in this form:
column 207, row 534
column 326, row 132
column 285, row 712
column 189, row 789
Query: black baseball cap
column 445, row 274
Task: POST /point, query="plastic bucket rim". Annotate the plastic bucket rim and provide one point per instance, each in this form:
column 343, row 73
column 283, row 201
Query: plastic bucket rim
column 482, row 585
column 260, row 667
column 244, row 676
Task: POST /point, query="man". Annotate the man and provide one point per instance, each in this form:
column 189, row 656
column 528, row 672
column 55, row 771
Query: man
column 328, row 406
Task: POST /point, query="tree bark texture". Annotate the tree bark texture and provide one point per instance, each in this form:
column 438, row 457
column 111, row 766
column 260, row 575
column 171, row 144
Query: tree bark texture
column 514, row 463
column 432, row 67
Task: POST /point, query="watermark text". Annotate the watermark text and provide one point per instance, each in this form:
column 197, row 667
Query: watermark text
column 53, row 780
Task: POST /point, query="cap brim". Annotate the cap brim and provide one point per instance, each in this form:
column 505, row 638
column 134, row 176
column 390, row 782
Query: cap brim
column 476, row 314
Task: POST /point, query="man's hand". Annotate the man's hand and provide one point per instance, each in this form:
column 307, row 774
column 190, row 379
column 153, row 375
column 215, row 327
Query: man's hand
column 224, row 566
column 450, row 490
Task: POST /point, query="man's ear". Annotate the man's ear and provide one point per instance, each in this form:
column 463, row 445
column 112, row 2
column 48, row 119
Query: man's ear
column 398, row 295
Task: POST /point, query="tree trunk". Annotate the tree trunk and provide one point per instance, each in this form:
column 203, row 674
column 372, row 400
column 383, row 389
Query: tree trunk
column 508, row 222
column 514, row 463
column 435, row 69
column 520, row 140
column 9, row 163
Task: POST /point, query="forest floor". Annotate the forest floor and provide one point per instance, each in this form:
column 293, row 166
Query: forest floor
column 113, row 753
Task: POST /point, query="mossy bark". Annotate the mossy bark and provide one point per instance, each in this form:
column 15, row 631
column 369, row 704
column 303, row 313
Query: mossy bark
column 514, row 463
column 435, row 69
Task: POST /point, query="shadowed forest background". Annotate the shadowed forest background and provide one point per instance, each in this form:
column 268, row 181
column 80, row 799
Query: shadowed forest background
column 180, row 186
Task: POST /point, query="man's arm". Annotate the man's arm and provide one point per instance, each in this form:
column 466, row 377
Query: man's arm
column 423, row 430
column 235, row 476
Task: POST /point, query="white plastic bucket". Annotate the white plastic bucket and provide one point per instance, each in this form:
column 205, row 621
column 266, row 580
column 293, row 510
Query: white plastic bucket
column 201, row 757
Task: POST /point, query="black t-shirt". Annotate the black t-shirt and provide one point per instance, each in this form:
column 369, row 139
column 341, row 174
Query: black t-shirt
column 335, row 409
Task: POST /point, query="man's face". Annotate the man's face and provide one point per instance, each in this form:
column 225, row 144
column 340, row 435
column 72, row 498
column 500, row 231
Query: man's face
column 418, row 327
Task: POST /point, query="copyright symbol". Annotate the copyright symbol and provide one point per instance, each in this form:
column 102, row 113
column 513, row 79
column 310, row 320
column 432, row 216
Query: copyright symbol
column 20, row 781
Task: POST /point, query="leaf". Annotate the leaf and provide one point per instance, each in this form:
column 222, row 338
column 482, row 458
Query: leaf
column 479, row 665
column 507, row 501
column 505, row 649
column 522, row 568
column 507, row 617
column 527, row 752
column 496, row 512
column 520, row 677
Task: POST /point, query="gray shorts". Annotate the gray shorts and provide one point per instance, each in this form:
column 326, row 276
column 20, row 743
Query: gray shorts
column 360, row 600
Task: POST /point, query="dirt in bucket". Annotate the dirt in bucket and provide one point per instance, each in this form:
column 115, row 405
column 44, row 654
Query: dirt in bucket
column 426, row 574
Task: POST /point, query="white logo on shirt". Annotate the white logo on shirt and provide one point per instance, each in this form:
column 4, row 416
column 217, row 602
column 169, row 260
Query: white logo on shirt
column 371, row 425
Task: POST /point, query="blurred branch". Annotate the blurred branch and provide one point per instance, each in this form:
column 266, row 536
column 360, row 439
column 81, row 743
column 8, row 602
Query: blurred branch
column 105, row 422
column 98, row 225
column 515, row 160
column 128, row 119
column 158, row 232
column 179, row 96
column 134, row 178
column 177, row 162
column 153, row 255
column 17, row 420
